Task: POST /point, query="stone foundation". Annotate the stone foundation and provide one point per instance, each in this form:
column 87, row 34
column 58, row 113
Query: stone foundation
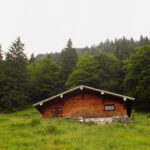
column 102, row 120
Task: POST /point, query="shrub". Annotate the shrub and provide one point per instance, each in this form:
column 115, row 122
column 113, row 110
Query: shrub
column 35, row 122
column 52, row 129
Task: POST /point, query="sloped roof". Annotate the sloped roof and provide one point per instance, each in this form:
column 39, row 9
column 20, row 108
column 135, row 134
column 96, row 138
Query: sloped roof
column 81, row 87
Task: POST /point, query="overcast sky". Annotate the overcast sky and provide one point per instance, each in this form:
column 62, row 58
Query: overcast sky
column 46, row 25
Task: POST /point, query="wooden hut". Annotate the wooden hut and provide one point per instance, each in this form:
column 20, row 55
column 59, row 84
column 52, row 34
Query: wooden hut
column 87, row 104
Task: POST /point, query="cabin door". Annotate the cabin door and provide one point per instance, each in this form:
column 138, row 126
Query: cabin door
column 57, row 112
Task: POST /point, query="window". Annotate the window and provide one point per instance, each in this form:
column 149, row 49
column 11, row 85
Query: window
column 56, row 112
column 109, row 107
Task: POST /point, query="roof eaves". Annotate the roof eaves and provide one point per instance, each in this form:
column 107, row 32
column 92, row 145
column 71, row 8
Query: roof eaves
column 111, row 93
column 86, row 87
column 58, row 95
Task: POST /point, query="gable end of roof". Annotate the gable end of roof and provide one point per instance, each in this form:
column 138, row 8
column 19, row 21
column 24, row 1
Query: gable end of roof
column 81, row 87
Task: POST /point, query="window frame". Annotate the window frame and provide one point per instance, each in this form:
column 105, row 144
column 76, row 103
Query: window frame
column 109, row 105
column 56, row 112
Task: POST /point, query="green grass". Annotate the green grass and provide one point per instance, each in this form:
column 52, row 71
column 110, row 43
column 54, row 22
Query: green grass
column 26, row 130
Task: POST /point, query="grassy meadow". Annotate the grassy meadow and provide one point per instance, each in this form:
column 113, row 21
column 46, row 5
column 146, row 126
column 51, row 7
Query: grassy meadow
column 26, row 130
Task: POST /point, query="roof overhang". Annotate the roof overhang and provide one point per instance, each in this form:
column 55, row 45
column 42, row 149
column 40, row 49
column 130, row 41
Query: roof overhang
column 81, row 87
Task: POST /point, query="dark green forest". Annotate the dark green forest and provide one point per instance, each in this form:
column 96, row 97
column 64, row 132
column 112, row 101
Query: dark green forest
column 121, row 66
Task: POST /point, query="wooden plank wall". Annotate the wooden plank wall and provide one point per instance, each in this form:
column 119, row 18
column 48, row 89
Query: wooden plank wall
column 84, row 103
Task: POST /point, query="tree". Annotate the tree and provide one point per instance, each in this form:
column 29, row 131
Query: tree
column 32, row 58
column 123, row 48
column 2, row 76
column 85, row 73
column 100, row 71
column 68, row 60
column 15, row 71
column 44, row 78
column 143, row 41
column 1, row 54
column 109, row 72
column 137, row 79
column 106, row 46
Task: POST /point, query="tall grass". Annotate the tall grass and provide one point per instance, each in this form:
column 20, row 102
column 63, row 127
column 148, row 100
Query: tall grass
column 26, row 130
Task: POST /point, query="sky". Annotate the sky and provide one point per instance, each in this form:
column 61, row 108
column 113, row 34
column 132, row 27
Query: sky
column 46, row 25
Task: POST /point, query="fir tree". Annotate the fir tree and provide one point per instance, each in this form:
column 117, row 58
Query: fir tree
column 1, row 54
column 16, row 77
column 32, row 58
column 68, row 59
column 2, row 76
